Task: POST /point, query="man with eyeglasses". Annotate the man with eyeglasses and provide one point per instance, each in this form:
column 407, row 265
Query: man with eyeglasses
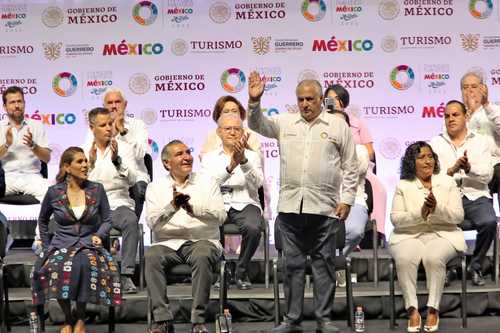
column 483, row 118
column 239, row 170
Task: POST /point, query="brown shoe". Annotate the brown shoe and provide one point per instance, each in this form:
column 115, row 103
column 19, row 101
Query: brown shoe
column 79, row 327
column 66, row 329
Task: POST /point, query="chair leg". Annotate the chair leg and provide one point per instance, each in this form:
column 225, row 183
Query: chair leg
column 496, row 249
column 2, row 317
column 111, row 319
column 222, row 288
column 141, row 257
column 350, row 298
column 375, row 253
column 276, row 290
column 149, row 314
column 464, row 292
column 6, row 313
column 392, row 297
column 266, row 255
column 41, row 317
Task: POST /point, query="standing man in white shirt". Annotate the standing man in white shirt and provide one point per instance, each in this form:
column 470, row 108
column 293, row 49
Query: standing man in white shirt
column 112, row 164
column 23, row 144
column 483, row 118
column 318, row 156
column 240, row 187
column 466, row 156
column 134, row 132
column 184, row 211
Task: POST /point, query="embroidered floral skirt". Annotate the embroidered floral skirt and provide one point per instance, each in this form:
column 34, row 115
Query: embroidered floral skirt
column 88, row 275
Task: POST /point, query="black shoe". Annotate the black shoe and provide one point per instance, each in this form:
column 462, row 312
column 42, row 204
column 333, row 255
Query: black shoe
column 199, row 328
column 243, row 284
column 451, row 275
column 326, row 327
column 285, row 327
column 162, row 327
column 477, row 277
column 128, row 286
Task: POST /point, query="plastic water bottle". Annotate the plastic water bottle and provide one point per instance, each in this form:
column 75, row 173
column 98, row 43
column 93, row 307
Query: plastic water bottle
column 34, row 323
column 229, row 320
column 359, row 320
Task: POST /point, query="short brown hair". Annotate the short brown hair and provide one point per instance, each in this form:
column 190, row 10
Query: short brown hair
column 219, row 105
column 11, row 90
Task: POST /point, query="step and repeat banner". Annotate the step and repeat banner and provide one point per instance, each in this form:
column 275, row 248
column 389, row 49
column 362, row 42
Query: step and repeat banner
column 401, row 61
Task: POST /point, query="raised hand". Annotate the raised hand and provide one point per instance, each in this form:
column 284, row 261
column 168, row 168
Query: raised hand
column 92, row 155
column 429, row 205
column 114, row 150
column 96, row 241
column 483, row 89
column 28, row 138
column 255, row 87
column 9, row 138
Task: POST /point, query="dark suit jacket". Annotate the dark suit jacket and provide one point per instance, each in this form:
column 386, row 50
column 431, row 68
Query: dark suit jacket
column 68, row 231
column 2, row 181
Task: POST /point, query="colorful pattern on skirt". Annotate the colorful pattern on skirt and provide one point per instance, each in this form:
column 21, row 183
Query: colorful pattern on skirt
column 51, row 277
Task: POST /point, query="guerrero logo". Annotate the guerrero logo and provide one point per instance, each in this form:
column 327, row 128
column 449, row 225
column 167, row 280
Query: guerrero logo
column 320, row 10
column 138, row 12
column 65, row 79
column 481, row 9
column 402, row 77
column 233, row 80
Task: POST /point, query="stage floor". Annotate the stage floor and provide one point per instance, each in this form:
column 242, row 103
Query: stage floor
column 447, row 325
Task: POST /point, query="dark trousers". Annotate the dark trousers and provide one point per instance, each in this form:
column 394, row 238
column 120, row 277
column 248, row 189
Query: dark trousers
column 124, row 219
column 202, row 256
column 314, row 235
column 138, row 194
column 482, row 216
column 249, row 220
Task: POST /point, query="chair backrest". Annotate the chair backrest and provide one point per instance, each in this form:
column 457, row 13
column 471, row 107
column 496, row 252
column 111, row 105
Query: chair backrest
column 369, row 196
column 148, row 162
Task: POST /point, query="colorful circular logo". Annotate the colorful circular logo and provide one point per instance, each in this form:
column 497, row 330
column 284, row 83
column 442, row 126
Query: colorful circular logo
column 226, row 80
column 320, row 13
column 67, row 79
column 145, row 6
column 402, row 77
column 154, row 148
column 481, row 9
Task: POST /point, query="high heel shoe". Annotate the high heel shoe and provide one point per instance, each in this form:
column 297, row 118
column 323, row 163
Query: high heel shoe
column 416, row 328
column 432, row 328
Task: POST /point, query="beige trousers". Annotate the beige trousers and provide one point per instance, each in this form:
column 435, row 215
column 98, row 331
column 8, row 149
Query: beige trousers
column 434, row 251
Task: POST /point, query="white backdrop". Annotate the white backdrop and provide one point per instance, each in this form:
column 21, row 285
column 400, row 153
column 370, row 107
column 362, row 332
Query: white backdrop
column 399, row 59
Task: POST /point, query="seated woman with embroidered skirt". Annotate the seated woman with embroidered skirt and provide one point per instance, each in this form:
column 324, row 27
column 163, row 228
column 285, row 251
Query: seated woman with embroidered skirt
column 73, row 265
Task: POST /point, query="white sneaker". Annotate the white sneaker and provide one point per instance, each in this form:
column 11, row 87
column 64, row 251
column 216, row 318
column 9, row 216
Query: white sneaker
column 341, row 279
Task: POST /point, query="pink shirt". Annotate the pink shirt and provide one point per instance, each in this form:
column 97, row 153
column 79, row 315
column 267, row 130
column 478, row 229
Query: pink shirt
column 360, row 132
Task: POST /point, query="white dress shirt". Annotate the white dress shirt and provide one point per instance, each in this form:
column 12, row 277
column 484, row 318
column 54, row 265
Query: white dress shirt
column 173, row 228
column 486, row 121
column 243, row 183
column 316, row 158
column 474, row 184
column 116, row 181
column 406, row 215
column 137, row 138
column 20, row 158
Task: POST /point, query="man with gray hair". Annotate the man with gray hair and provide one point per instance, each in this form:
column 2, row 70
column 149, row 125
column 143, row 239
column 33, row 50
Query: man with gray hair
column 318, row 180
column 483, row 118
column 240, row 189
column 184, row 211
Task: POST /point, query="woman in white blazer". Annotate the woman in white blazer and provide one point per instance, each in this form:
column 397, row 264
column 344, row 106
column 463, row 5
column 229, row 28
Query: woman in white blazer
column 426, row 210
